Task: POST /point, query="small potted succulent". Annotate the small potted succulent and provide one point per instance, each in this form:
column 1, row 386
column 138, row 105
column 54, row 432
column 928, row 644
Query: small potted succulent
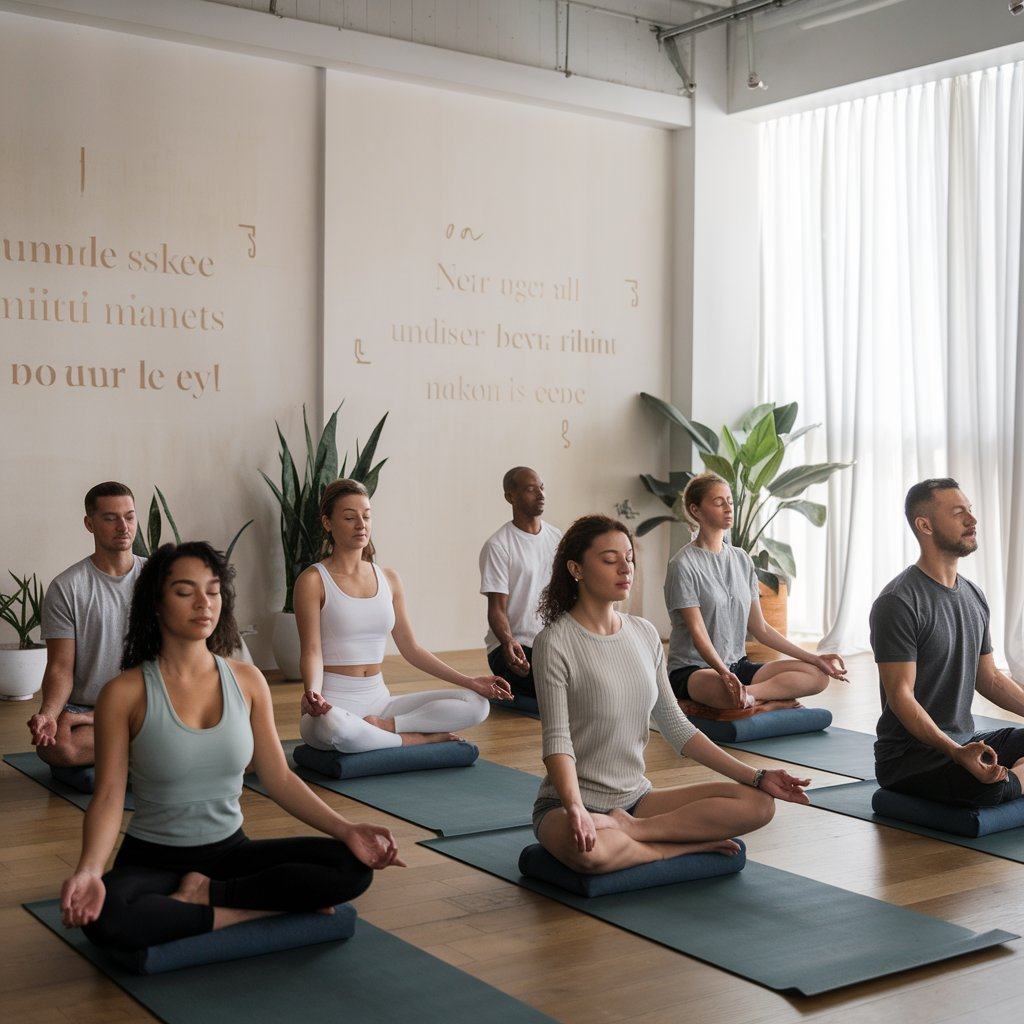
column 22, row 663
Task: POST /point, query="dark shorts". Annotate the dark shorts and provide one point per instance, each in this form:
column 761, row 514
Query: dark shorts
column 744, row 670
column 951, row 784
column 521, row 685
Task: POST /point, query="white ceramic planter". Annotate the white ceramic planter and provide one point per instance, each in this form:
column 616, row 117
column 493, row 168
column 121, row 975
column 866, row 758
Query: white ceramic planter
column 21, row 672
column 284, row 642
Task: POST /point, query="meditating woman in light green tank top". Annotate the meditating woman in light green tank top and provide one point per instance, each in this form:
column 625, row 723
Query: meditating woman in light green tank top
column 185, row 722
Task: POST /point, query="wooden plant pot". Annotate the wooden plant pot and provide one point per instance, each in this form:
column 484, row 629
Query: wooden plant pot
column 773, row 608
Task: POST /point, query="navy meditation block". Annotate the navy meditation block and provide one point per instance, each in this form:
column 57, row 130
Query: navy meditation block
column 536, row 862
column 83, row 779
column 386, row 761
column 785, row 722
column 960, row 821
column 251, row 938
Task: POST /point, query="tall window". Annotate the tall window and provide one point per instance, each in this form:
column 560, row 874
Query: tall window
column 893, row 311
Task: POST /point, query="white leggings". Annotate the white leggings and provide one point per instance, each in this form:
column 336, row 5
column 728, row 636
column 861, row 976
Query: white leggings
column 352, row 698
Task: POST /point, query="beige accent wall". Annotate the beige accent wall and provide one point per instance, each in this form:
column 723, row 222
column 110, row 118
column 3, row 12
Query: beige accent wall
column 497, row 280
column 158, row 287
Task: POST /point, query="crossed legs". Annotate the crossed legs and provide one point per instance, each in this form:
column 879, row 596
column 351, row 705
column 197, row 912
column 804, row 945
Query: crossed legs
column 665, row 823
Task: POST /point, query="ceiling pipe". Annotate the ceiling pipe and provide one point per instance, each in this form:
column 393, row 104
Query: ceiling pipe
column 718, row 17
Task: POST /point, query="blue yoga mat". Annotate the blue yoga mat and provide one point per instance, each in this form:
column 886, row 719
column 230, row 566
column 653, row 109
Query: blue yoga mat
column 778, row 929
column 28, row 764
column 839, row 751
column 854, row 800
column 368, row 979
column 451, row 801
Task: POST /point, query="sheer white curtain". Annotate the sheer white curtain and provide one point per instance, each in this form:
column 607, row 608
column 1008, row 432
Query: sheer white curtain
column 893, row 311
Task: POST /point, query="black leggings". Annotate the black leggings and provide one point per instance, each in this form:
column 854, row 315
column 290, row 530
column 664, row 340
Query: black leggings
column 304, row 873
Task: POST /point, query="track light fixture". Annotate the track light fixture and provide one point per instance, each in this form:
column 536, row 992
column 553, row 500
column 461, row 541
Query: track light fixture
column 754, row 80
column 1017, row 6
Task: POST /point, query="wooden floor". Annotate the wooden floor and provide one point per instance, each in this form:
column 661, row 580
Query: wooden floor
column 564, row 963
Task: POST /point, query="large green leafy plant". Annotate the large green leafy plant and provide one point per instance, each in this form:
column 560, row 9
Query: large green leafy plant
column 299, row 500
column 148, row 540
column 749, row 458
column 22, row 608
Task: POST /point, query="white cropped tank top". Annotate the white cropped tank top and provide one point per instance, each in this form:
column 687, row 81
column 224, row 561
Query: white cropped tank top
column 354, row 630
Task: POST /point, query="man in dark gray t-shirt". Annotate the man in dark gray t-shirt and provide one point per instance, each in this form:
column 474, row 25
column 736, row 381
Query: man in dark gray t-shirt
column 930, row 637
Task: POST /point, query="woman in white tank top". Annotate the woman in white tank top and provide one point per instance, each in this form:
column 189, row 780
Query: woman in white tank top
column 345, row 606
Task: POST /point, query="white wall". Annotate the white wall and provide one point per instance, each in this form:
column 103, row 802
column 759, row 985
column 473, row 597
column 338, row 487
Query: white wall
column 536, row 243
column 181, row 145
column 143, row 144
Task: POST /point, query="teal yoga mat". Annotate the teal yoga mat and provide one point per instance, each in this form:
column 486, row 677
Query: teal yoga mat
column 772, row 927
column 371, row 978
column 452, row 801
column 854, row 800
column 28, row 764
column 839, row 751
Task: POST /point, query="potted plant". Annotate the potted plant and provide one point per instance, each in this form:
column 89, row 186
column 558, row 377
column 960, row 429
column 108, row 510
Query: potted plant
column 299, row 503
column 148, row 541
column 22, row 664
column 749, row 458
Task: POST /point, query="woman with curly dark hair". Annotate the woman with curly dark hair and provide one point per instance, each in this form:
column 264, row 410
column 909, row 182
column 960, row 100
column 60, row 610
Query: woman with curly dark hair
column 185, row 722
column 600, row 677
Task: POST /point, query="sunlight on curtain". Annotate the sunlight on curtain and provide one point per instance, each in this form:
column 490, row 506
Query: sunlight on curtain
column 892, row 311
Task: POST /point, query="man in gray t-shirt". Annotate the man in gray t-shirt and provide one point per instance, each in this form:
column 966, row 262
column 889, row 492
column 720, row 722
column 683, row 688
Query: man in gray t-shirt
column 930, row 637
column 84, row 621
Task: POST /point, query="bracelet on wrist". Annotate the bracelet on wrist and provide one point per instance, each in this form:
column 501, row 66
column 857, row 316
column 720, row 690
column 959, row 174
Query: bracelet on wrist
column 758, row 778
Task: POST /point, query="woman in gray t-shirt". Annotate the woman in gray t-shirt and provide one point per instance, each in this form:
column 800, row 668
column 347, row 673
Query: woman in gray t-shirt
column 712, row 597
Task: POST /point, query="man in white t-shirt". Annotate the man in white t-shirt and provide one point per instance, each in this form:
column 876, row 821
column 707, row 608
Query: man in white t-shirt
column 515, row 566
column 84, row 621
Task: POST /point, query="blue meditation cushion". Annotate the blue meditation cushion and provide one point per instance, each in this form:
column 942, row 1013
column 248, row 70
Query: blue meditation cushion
column 251, row 938
column 520, row 702
column 83, row 779
column 785, row 722
column 536, row 862
column 386, row 761
column 960, row 821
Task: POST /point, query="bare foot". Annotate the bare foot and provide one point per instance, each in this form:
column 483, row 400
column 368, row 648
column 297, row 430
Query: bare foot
column 193, row 888
column 387, row 724
column 618, row 818
column 414, row 739
column 736, row 692
column 777, row 703
column 724, row 846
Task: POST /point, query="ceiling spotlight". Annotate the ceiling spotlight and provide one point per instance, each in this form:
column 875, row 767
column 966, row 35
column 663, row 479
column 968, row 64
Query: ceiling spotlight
column 1017, row 6
column 754, row 80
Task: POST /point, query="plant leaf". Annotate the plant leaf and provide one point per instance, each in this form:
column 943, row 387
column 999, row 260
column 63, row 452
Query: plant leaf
column 703, row 437
column 795, row 481
column 767, row 472
column 167, row 512
column 234, row 541
column 649, row 524
column 364, row 459
column 781, row 554
column 769, row 579
column 761, row 442
column 153, row 528
column 785, row 417
column 722, row 466
column 758, row 413
column 812, row 511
